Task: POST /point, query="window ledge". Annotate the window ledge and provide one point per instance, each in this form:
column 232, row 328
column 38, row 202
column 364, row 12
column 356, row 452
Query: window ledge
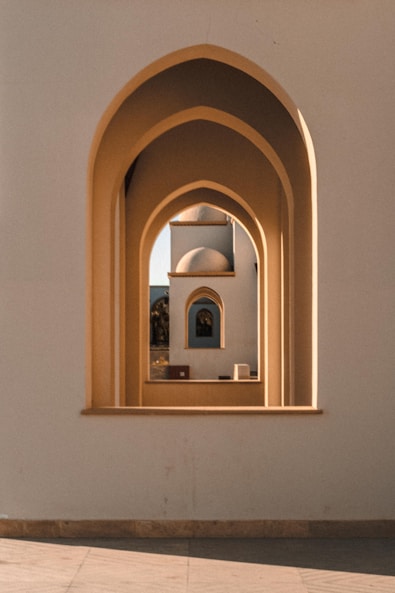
column 200, row 274
column 197, row 410
column 204, row 381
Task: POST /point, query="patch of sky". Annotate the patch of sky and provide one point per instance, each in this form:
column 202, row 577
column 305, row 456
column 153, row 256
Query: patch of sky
column 160, row 259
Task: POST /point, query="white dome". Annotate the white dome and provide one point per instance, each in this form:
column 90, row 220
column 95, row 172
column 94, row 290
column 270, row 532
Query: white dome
column 202, row 213
column 203, row 259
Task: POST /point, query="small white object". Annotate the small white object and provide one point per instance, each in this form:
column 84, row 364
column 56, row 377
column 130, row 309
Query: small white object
column 241, row 371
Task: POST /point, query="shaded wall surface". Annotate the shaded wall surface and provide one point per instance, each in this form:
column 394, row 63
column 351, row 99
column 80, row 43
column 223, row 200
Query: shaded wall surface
column 61, row 65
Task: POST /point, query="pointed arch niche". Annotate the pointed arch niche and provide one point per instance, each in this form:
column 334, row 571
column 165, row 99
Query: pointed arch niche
column 200, row 295
column 202, row 117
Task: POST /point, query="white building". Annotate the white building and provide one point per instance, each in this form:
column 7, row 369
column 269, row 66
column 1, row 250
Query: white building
column 213, row 294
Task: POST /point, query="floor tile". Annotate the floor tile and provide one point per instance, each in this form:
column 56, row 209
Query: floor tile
column 197, row 566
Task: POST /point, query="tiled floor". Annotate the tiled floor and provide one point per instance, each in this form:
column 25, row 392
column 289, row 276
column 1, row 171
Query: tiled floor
column 197, row 566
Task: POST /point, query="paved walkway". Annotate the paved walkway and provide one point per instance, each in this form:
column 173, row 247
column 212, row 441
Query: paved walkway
column 197, row 566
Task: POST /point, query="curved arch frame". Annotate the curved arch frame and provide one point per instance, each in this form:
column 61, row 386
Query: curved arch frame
column 234, row 205
column 205, row 292
column 100, row 261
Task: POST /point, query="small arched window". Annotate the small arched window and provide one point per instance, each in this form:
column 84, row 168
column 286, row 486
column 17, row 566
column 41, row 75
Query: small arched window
column 204, row 324
column 204, row 319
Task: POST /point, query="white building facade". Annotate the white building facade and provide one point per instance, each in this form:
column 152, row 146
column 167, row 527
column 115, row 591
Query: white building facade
column 213, row 295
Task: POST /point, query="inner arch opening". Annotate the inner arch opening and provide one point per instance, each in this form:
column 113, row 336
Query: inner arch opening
column 212, row 277
column 247, row 137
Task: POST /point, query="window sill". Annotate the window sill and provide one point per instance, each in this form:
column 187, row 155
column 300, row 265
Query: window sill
column 204, row 381
column 200, row 274
column 200, row 410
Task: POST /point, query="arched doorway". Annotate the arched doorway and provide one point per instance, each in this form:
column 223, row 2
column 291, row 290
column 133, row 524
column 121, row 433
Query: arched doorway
column 223, row 124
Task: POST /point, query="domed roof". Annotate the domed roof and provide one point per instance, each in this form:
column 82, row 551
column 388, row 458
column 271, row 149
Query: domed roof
column 203, row 259
column 202, row 213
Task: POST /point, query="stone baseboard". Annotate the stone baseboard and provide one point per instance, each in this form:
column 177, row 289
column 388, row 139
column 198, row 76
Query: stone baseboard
column 195, row 529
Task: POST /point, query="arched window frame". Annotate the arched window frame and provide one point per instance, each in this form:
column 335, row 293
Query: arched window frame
column 109, row 162
column 209, row 293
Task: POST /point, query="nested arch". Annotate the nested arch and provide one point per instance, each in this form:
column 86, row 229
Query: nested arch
column 219, row 96
column 225, row 199
column 254, row 183
column 204, row 323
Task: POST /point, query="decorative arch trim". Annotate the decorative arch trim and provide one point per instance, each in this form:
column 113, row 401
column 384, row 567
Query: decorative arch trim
column 121, row 137
column 209, row 293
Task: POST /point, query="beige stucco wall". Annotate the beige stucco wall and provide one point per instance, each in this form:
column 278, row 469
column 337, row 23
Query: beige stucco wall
column 61, row 65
